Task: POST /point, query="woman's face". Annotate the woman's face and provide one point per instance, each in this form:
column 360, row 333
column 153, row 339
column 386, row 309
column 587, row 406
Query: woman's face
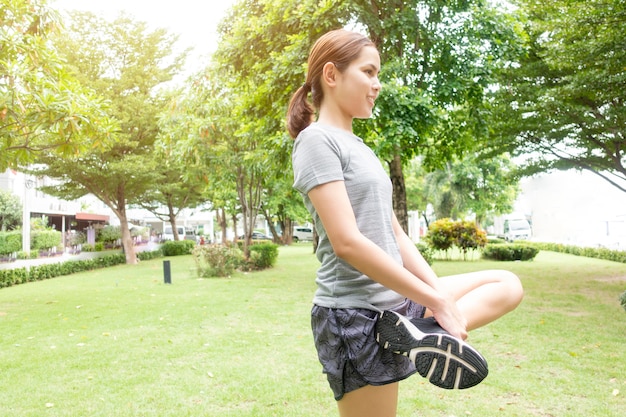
column 358, row 86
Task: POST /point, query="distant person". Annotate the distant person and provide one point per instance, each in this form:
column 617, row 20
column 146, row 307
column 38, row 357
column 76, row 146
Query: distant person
column 373, row 283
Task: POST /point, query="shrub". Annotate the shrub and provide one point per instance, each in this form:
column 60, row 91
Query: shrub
column 263, row 255
column 98, row 247
column 426, row 252
column 217, row 260
column 440, row 234
column 467, row 236
column 110, row 234
column 177, row 247
column 510, row 252
column 88, row 247
column 443, row 234
column 147, row 255
column 10, row 242
column 622, row 300
column 45, row 239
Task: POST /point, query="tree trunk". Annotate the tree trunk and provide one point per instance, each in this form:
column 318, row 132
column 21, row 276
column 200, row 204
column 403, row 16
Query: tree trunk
column 221, row 220
column 127, row 241
column 399, row 192
column 172, row 218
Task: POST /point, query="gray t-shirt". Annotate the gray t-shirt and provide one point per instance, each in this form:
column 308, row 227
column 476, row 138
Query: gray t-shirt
column 323, row 154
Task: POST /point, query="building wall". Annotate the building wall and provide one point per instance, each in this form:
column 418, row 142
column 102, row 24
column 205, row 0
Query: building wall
column 577, row 208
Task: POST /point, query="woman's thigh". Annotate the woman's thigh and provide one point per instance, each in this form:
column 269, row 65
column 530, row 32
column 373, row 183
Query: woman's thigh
column 370, row 401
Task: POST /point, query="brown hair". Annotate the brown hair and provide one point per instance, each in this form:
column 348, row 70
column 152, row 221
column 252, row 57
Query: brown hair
column 340, row 47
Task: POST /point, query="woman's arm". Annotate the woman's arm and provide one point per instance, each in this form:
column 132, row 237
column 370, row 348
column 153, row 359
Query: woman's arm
column 335, row 211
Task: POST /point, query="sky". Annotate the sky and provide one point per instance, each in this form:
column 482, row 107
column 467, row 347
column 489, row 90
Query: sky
column 194, row 20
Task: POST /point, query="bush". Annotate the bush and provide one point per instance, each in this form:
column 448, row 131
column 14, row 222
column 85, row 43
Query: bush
column 177, row 247
column 443, row 234
column 510, row 252
column 262, row 256
column 45, row 239
column 217, row 260
column 10, row 242
column 426, row 252
column 147, row 255
column 622, row 300
column 110, row 234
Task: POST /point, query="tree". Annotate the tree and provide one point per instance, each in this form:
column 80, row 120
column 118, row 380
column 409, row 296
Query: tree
column 476, row 186
column 562, row 105
column 438, row 60
column 125, row 63
column 10, row 211
column 42, row 107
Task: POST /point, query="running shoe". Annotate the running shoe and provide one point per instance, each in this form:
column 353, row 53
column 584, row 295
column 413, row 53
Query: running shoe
column 444, row 360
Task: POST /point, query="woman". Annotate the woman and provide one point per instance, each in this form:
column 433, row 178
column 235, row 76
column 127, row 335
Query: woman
column 373, row 283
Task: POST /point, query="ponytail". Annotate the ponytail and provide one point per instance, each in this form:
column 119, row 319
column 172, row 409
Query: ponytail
column 300, row 113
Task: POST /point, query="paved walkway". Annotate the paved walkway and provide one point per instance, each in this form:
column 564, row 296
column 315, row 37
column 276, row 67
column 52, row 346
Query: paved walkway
column 22, row 263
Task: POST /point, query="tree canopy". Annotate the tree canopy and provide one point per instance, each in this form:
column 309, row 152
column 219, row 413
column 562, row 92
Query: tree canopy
column 42, row 106
column 562, row 104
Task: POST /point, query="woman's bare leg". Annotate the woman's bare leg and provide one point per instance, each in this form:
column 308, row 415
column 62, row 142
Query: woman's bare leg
column 370, row 401
column 484, row 296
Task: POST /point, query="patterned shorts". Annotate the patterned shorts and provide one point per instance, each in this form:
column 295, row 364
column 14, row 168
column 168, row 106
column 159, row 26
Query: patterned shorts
column 347, row 349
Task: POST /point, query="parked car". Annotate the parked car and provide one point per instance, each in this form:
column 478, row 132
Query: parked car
column 302, row 233
column 257, row 236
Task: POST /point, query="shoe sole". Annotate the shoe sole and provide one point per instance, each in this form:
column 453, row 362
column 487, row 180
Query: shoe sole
column 444, row 360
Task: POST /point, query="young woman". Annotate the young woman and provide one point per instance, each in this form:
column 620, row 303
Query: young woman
column 374, row 289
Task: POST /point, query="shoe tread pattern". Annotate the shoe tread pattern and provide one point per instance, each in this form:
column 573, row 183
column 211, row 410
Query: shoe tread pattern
column 444, row 360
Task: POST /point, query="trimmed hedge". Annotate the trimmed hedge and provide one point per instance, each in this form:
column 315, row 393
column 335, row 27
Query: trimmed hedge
column 9, row 277
column 598, row 253
column 510, row 252
column 263, row 255
column 45, row 239
column 177, row 247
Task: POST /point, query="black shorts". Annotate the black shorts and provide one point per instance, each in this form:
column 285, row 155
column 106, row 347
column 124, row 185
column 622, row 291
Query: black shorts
column 347, row 349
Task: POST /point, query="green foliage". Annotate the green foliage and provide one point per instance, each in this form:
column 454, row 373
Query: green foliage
column 217, row 260
column 262, row 256
column 10, row 211
column 443, row 234
column 426, row 252
column 10, row 242
column 109, row 234
column 147, row 255
column 510, row 252
column 564, row 101
column 177, row 247
column 9, row 277
column 468, row 236
column 622, row 300
column 599, row 253
column 42, row 106
column 45, row 239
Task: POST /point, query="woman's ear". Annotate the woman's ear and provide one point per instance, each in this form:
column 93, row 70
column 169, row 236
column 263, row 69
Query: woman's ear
column 329, row 74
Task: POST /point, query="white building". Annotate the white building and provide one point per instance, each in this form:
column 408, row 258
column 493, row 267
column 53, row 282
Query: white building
column 576, row 208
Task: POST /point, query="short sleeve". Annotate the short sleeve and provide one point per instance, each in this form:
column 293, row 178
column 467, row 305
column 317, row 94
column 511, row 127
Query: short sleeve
column 316, row 160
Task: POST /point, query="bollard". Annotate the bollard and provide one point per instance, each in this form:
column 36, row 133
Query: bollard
column 167, row 275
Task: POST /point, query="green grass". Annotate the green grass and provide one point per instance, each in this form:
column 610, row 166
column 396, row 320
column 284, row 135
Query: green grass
column 120, row 342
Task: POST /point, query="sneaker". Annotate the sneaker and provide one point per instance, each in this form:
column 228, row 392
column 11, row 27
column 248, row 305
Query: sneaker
column 446, row 361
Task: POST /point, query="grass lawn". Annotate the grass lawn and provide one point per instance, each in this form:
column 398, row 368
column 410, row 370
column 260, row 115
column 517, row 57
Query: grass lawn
column 120, row 342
